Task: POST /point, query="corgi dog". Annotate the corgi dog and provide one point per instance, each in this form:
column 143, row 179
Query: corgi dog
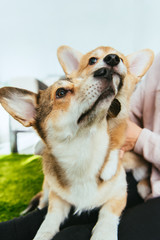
column 81, row 157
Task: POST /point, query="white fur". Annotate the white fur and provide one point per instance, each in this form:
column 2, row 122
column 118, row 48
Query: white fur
column 85, row 188
column 111, row 166
column 141, row 172
column 39, row 147
column 106, row 227
column 82, row 158
column 79, row 158
column 50, row 225
column 44, row 199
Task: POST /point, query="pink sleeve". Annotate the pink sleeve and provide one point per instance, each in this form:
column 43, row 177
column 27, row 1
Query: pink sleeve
column 136, row 105
column 148, row 145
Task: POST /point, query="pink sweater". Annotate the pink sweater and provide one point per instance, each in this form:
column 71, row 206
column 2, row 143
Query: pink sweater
column 145, row 112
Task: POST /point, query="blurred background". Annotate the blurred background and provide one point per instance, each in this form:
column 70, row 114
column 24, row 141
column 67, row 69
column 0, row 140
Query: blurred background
column 32, row 30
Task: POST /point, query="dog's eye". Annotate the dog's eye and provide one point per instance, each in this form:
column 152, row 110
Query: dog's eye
column 61, row 92
column 92, row 60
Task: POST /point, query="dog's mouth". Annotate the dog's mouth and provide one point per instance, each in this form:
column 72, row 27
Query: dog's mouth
column 104, row 74
column 105, row 94
column 108, row 75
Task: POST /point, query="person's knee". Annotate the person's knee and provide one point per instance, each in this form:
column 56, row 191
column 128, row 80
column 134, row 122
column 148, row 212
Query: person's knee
column 77, row 232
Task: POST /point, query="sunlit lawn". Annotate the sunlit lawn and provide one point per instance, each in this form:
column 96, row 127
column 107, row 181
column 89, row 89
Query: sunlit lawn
column 20, row 179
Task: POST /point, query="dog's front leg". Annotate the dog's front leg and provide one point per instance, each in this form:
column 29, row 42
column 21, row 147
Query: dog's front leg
column 110, row 167
column 57, row 212
column 107, row 226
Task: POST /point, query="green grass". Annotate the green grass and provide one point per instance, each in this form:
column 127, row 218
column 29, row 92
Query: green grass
column 20, row 179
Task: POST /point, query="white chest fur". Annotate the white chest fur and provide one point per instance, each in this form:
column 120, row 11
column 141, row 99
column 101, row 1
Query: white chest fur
column 82, row 158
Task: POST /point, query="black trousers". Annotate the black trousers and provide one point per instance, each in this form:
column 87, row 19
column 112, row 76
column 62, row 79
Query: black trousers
column 139, row 221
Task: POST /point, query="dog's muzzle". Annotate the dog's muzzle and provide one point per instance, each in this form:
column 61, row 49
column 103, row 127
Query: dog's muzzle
column 104, row 72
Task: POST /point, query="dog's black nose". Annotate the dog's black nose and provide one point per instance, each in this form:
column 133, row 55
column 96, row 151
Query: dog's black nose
column 112, row 60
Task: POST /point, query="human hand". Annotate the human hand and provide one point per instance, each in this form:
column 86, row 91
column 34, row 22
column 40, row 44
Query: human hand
column 121, row 153
column 132, row 133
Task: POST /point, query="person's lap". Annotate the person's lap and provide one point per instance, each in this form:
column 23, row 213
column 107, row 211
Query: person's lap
column 142, row 222
column 139, row 221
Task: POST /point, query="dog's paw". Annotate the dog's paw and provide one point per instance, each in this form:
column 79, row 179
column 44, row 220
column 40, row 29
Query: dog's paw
column 111, row 166
column 101, row 232
column 141, row 172
column 144, row 188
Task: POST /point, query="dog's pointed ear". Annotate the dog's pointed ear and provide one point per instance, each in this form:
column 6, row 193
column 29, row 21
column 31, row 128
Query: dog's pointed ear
column 139, row 62
column 69, row 59
column 20, row 104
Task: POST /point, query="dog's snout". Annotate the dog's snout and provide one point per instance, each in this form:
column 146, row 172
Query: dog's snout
column 103, row 72
column 100, row 72
column 112, row 60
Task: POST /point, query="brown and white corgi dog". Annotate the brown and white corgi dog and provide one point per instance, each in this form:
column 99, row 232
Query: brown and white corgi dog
column 81, row 157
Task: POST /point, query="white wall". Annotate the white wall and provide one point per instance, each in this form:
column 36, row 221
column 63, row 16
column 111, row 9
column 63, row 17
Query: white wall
column 32, row 30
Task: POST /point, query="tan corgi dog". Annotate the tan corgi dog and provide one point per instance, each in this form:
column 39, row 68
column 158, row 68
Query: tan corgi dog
column 81, row 157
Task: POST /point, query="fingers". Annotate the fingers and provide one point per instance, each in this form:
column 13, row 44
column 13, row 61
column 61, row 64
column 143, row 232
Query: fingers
column 121, row 153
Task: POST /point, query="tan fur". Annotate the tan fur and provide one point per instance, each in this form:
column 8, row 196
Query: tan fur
column 144, row 188
column 52, row 197
column 145, row 182
column 132, row 160
column 117, row 205
column 51, row 166
column 99, row 179
column 117, row 135
column 118, row 125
